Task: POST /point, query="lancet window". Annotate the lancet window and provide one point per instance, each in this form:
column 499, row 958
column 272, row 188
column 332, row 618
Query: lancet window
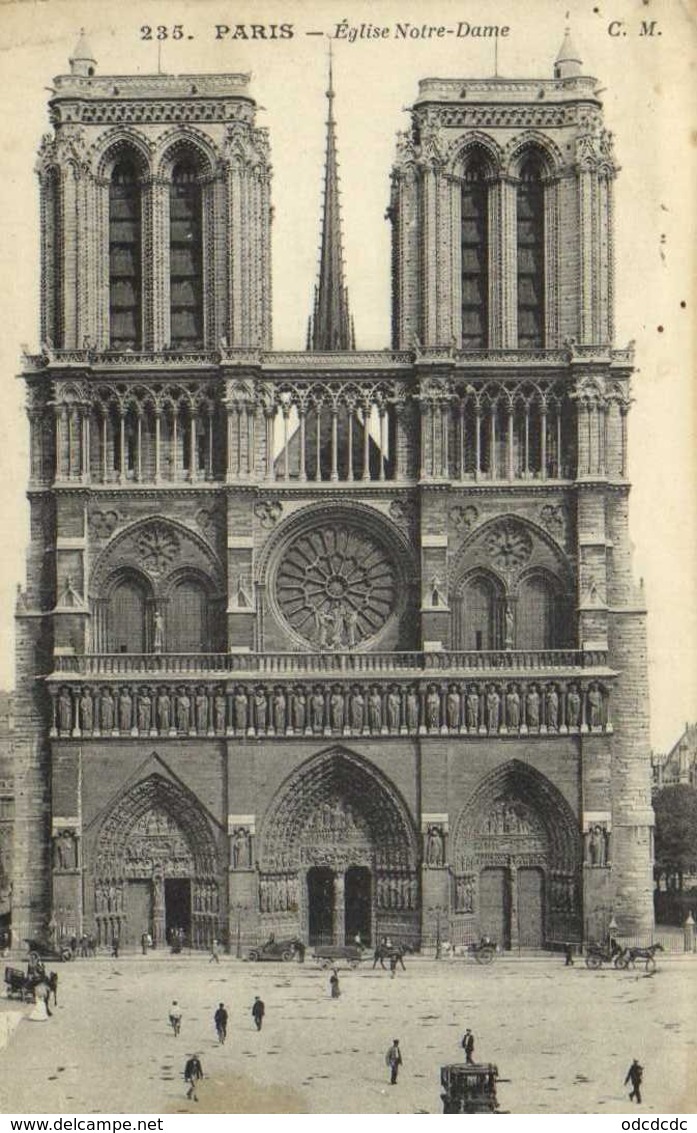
column 531, row 266
column 186, row 257
column 125, row 274
column 475, row 253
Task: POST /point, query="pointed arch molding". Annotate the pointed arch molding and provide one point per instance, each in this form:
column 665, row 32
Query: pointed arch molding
column 375, row 819
column 160, row 548
column 155, row 825
column 553, row 823
column 510, row 548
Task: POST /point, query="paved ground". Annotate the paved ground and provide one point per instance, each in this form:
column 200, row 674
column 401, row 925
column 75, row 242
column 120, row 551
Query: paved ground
column 564, row 1037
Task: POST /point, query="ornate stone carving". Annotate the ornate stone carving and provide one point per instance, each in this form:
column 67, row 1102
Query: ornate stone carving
column 464, row 893
column 509, row 546
column 268, row 512
column 553, row 519
column 241, row 848
column 336, row 586
column 103, row 523
column 596, row 844
column 65, row 851
column 157, row 547
column 434, row 847
column 463, row 518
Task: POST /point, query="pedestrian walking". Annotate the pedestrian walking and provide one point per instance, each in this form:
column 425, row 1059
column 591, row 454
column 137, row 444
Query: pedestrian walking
column 115, row 948
column 145, row 942
column 569, row 953
column 635, row 1075
column 175, row 1017
column 393, row 965
column 220, row 1020
column 193, row 1073
column 393, row 1059
column 334, row 984
column 468, row 1045
column 215, row 953
column 258, row 1012
column 53, row 987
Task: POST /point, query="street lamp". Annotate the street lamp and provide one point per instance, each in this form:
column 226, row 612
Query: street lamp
column 439, row 910
column 238, row 947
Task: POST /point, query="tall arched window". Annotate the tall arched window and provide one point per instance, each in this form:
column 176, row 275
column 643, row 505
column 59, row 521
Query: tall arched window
column 125, row 274
column 531, row 265
column 187, row 618
column 186, row 257
column 540, row 621
column 475, row 256
column 479, row 613
column 127, row 612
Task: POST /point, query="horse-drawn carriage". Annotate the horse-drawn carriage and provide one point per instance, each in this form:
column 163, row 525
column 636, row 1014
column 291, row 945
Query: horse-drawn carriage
column 469, row 1087
column 621, row 958
column 32, row 984
column 331, row 955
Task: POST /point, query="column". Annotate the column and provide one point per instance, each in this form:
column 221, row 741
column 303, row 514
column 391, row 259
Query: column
column 423, row 409
column 623, row 422
column 478, row 440
column 339, row 908
column 139, row 445
column 445, row 429
column 86, row 447
column 105, row 435
column 461, row 439
column 175, row 441
column 209, row 449
column 286, row 455
column 251, row 439
column 559, row 449
column 269, row 414
column 193, row 470
column 158, row 440
column 381, row 414
column 334, row 445
column 543, row 442
column 349, row 455
column 366, row 442
column 432, row 411
column 122, row 444
column 303, row 465
column 526, row 455
column 510, row 442
column 492, row 443
column 318, row 444
column 514, row 906
column 232, row 451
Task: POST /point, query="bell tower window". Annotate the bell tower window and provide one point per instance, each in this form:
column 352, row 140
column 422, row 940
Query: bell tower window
column 475, row 253
column 531, row 267
column 186, row 258
column 125, row 275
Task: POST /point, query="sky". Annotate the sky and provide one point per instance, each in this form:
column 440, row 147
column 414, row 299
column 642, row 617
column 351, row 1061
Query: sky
column 650, row 98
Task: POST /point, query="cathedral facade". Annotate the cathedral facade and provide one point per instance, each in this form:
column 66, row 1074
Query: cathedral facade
column 329, row 642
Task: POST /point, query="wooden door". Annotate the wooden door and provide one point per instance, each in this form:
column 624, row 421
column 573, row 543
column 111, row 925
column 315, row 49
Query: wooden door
column 495, row 905
column 531, row 908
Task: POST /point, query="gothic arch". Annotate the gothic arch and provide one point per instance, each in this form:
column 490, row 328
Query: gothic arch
column 173, row 546
column 119, row 143
column 475, row 144
column 523, row 545
column 188, row 142
column 532, row 144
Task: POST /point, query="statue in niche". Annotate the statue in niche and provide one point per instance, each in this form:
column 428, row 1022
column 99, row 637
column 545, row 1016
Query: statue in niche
column 279, row 712
column 375, row 711
column 201, row 712
column 158, row 632
column 412, row 710
column 393, row 710
column 596, row 845
column 65, row 850
column 433, row 708
column 183, row 712
column 573, row 707
column 532, row 708
column 493, row 704
column 241, row 848
column 357, row 706
column 220, row 712
column 299, row 710
column 144, row 711
column 317, row 710
column 106, row 711
column 164, row 711
column 552, row 706
column 509, row 625
column 436, row 594
column 513, row 709
column 240, row 702
column 86, row 711
column 453, row 709
column 595, row 706
column 351, row 624
column 125, row 710
column 65, row 711
column 260, row 709
column 324, row 627
column 435, row 850
column 336, row 705
column 472, row 709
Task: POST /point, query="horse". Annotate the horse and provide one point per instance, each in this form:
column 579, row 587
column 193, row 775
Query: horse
column 384, row 951
column 646, row 955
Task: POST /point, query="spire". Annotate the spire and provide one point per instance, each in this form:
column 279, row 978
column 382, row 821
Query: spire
column 82, row 61
column 331, row 323
column 568, row 62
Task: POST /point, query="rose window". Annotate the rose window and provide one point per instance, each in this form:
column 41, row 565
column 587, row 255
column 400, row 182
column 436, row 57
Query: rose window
column 509, row 547
column 336, row 586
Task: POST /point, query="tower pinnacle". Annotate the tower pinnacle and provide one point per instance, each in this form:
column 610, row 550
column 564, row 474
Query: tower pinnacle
column 331, row 323
column 82, row 61
column 568, row 62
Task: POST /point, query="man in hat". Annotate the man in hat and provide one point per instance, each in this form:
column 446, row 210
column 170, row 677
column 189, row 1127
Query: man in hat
column 635, row 1075
column 193, row 1073
column 468, row 1045
column 258, row 1011
column 393, row 1059
column 220, row 1020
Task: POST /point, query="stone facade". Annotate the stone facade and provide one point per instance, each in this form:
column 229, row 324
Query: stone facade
column 329, row 643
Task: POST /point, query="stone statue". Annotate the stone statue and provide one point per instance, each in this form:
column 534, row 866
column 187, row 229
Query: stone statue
column 86, row 711
column 299, row 710
column 241, row 848
column 106, row 711
column 434, row 847
column 144, row 711
column 65, row 711
column 351, row 624
column 508, row 618
column 125, row 711
column 164, row 711
column 357, row 706
column 532, row 708
column 337, row 710
column 393, row 710
column 453, row 706
column 158, row 632
column 260, row 709
column 493, row 704
column 375, row 711
column 552, row 708
column 472, row 709
column 573, row 707
column 317, row 710
column 201, row 713
column 65, row 850
column 220, row 713
column 240, row 701
column 412, row 710
column 513, row 709
column 433, row 709
column 595, row 706
column 183, row 712
column 279, row 712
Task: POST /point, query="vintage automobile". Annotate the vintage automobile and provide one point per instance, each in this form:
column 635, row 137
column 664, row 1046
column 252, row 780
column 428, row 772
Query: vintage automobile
column 469, row 1087
column 291, row 948
column 330, row 955
column 41, row 950
column 19, row 985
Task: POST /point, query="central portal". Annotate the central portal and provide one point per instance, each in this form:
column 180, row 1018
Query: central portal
column 359, row 903
column 320, row 901
column 177, row 906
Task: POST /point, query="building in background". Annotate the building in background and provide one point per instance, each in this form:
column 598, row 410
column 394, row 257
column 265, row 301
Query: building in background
column 679, row 765
column 329, row 642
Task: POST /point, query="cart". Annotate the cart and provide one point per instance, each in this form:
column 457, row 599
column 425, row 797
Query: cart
column 469, row 1087
column 329, row 955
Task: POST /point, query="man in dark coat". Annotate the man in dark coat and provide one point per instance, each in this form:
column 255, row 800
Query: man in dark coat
column 635, row 1075
column 193, row 1073
column 220, row 1020
column 468, row 1045
column 393, row 1059
column 258, row 1011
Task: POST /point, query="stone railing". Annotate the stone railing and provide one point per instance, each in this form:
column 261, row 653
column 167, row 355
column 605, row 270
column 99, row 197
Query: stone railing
column 300, row 664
